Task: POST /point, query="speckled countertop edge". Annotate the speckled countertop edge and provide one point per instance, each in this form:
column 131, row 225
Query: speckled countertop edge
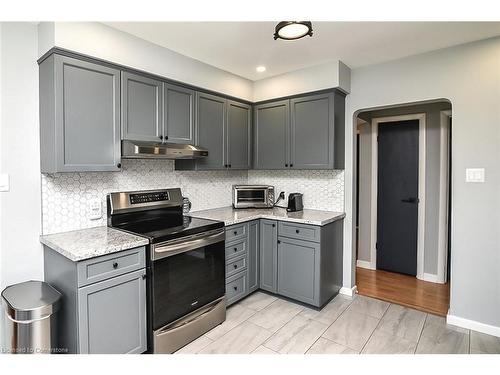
column 89, row 243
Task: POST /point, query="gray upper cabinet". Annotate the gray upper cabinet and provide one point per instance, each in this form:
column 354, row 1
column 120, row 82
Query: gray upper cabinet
column 299, row 270
column 179, row 114
column 211, row 119
column 253, row 255
column 238, row 125
column 79, row 116
column 141, row 108
column 112, row 315
column 268, row 255
column 312, row 132
column 271, row 135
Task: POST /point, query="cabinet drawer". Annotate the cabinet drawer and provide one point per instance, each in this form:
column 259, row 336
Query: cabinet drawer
column 236, row 265
column 299, row 231
column 235, row 232
column 104, row 267
column 236, row 287
column 236, row 249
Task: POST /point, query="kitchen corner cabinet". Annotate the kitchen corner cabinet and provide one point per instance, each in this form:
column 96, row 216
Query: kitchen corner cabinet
column 224, row 129
column 79, row 116
column 103, row 301
column 268, row 255
column 305, row 132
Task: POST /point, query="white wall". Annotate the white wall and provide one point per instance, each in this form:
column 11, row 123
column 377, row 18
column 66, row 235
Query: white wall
column 20, row 214
column 469, row 76
column 101, row 41
column 319, row 77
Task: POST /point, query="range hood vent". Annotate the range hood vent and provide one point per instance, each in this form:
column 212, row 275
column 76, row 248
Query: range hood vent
column 152, row 150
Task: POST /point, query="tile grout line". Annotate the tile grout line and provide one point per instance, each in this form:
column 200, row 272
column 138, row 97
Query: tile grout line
column 421, row 332
column 380, row 320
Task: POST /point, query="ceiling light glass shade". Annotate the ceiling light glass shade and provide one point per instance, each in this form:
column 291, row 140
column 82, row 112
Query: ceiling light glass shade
column 291, row 30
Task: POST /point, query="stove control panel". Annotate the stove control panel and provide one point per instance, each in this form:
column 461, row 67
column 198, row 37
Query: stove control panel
column 139, row 198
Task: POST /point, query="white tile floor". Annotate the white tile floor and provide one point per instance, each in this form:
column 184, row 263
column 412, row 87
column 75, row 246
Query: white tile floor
column 265, row 324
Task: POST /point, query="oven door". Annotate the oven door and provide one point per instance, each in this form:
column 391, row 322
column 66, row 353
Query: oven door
column 187, row 274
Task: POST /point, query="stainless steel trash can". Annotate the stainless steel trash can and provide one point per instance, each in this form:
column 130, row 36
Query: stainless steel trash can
column 30, row 315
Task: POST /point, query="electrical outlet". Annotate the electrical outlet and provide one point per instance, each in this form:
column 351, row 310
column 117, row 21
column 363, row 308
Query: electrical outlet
column 474, row 175
column 95, row 209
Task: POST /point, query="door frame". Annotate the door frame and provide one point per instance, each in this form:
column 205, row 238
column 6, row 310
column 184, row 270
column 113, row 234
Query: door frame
column 421, row 117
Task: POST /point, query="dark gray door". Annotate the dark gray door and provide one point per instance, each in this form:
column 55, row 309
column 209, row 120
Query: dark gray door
column 179, row 103
column 268, row 255
column 272, row 126
column 298, row 269
column 141, row 108
column 87, row 116
column 238, row 135
column 211, row 117
column 312, row 132
column 397, row 201
column 253, row 255
column 112, row 315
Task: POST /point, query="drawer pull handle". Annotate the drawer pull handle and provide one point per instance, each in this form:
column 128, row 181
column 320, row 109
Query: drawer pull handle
column 297, row 231
column 235, row 233
column 235, row 288
column 274, row 225
column 235, row 249
column 279, row 242
column 235, row 266
column 115, row 265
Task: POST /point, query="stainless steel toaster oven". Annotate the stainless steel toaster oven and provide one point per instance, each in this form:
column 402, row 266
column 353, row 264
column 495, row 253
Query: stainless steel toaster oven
column 253, row 196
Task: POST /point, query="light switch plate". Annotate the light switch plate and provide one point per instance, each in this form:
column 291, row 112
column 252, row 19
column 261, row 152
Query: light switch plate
column 95, row 209
column 474, row 175
column 4, row 182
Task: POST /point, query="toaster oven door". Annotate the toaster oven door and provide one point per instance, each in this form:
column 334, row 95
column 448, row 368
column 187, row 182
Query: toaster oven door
column 250, row 197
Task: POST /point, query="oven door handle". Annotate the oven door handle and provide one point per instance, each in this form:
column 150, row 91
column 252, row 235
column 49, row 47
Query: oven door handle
column 168, row 250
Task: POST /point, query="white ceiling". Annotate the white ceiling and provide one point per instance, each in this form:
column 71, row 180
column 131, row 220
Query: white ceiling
column 239, row 47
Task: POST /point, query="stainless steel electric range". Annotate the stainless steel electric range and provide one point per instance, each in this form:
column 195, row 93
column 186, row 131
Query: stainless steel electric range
column 185, row 265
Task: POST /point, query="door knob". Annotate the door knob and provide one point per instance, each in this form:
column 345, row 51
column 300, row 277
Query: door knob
column 412, row 200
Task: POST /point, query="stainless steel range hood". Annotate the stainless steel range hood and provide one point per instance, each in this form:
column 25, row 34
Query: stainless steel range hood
column 151, row 150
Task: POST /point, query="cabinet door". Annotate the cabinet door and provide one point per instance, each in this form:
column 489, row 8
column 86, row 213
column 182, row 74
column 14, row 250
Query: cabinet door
column 268, row 255
column 87, row 104
column 312, row 132
column 238, row 135
column 271, row 135
column 298, row 270
column 253, row 256
column 141, row 108
column 112, row 315
column 210, row 119
column 178, row 114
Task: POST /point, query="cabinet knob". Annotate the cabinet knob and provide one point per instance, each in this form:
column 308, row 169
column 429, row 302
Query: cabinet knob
column 225, row 165
column 286, row 165
column 235, row 233
column 235, row 266
column 291, row 165
column 166, row 137
column 297, row 231
column 235, row 287
column 119, row 165
column 235, row 249
column 274, row 225
column 115, row 265
column 161, row 137
column 279, row 242
column 144, row 277
column 229, row 165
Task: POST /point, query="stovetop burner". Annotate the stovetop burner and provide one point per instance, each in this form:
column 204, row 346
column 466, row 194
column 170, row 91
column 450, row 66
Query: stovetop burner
column 154, row 214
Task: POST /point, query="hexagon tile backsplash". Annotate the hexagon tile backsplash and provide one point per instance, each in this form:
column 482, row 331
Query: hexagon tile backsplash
column 66, row 196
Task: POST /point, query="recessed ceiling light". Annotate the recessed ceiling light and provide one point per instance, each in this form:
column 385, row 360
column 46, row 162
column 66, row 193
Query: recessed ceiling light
column 291, row 30
column 260, row 69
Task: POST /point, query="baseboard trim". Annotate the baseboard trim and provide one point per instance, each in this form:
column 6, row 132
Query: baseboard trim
column 364, row 264
column 472, row 324
column 348, row 291
column 431, row 278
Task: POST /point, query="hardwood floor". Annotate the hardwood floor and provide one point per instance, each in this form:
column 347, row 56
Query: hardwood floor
column 404, row 290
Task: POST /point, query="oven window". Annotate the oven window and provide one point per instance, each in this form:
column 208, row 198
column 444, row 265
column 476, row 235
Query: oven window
column 185, row 282
column 251, row 195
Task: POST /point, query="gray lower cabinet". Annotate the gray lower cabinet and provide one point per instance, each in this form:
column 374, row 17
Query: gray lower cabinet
column 299, row 269
column 142, row 112
column 103, row 301
column 271, row 135
column 268, row 248
column 112, row 315
column 79, row 116
column 253, row 255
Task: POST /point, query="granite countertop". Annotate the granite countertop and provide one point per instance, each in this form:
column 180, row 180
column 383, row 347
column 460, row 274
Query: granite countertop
column 230, row 216
column 84, row 244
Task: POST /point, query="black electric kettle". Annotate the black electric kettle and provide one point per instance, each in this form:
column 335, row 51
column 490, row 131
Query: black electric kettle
column 295, row 202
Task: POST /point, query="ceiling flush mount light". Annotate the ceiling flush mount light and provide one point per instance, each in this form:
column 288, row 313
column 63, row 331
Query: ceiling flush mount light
column 291, row 30
column 260, row 69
